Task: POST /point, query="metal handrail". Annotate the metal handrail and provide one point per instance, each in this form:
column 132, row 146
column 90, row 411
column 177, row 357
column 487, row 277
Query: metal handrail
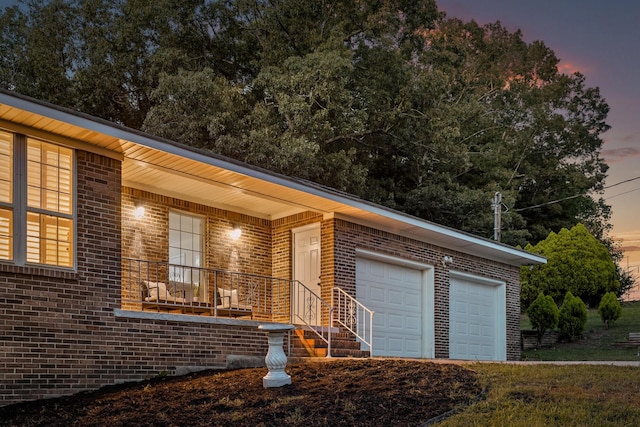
column 309, row 309
column 220, row 293
column 353, row 316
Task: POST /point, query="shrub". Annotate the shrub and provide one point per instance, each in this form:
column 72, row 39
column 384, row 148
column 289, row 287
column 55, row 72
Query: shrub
column 543, row 313
column 572, row 318
column 609, row 308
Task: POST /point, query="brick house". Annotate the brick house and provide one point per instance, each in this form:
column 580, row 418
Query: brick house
column 124, row 255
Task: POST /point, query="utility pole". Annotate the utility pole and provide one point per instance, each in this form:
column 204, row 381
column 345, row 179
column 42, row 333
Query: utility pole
column 497, row 213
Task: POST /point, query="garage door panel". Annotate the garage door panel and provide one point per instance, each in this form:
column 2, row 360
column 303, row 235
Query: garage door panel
column 379, row 320
column 395, row 274
column 395, row 346
column 412, row 298
column 396, row 321
column 379, row 342
column 376, row 294
column 474, row 309
column 413, row 346
column 375, row 271
column 395, row 297
column 413, row 323
column 460, row 307
column 474, row 330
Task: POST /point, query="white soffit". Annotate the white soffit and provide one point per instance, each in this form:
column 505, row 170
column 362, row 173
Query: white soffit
column 176, row 170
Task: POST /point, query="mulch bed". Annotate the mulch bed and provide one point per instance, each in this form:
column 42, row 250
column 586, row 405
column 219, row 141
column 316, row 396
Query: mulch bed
column 336, row 392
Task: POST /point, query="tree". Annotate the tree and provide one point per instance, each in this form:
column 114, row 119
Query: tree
column 572, row 317
column 543, row 313
column 388, row 100
column 609, row 309
column 576, row 262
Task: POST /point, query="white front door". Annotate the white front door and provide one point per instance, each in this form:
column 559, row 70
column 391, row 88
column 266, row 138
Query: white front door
column 306, row 270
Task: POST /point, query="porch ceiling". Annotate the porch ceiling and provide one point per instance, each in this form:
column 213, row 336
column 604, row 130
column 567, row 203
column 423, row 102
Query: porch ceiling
column 171, row 174
column 175, row 170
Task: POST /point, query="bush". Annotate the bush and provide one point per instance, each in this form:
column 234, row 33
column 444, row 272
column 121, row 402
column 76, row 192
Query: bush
column 573, row 317
column 543, row 313
column 609, row 308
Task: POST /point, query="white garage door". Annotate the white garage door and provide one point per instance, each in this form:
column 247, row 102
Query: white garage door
column 477, row 327
column 395, row 293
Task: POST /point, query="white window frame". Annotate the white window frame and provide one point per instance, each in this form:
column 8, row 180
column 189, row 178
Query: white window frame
column 182, row 272
column 20, row 209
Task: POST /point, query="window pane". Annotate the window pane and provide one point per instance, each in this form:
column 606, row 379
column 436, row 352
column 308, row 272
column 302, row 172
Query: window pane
column 33, row 151
column 174, row 221
column 33, row 182
column 49, row 240
column 49, row 177
column 33, row 237
column 6, row 231
column 174, row 255
column 65, row 243
column 6, row 167
column 186, row 223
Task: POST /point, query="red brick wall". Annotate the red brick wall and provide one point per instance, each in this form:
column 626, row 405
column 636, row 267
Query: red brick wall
column 147, row 238
column 349, row 236
column 58, row 331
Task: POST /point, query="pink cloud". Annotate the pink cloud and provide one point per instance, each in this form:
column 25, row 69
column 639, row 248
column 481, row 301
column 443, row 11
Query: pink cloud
column 570, row 68
column 619, row 154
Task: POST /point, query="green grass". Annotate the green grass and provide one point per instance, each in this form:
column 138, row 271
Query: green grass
column 564, row 395
column 551, row 395
column 597, row 342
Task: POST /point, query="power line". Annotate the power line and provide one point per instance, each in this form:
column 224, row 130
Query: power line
column 622, row 182
column 621, row 194
column 580, row 195
column 548, row 203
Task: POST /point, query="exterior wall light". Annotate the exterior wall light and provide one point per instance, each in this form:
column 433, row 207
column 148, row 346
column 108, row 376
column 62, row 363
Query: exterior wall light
column 447, row 261
column 236, row 232
column 138, row 211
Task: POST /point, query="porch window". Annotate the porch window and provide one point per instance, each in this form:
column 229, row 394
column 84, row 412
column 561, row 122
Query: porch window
column 36, row 212
column 186, row 247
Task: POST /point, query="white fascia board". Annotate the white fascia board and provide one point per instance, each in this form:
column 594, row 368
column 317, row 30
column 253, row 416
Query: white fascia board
column 105, row 127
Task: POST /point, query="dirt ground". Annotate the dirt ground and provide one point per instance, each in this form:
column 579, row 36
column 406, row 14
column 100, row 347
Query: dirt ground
column 339, row 392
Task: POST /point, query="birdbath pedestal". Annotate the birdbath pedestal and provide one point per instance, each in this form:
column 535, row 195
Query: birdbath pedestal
column 276, row 360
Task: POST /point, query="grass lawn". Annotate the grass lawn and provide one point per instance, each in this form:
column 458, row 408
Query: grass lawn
column 564, row 395
column 553, row 395
column 597, row 342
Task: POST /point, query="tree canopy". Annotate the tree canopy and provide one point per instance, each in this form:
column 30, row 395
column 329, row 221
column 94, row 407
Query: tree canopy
column 390, row 100
column 576, row 262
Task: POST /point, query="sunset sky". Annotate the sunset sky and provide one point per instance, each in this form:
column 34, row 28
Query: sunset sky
column 600, row 39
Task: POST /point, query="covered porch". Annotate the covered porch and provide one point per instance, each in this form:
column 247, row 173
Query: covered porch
column 162, row 287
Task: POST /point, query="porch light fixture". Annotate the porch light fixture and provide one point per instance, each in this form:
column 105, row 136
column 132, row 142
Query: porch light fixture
column 447, row 260
column 138, row 211
column 236, row 232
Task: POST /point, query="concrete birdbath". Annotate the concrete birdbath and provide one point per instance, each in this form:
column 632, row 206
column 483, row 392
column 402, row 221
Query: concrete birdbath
column 276, row 360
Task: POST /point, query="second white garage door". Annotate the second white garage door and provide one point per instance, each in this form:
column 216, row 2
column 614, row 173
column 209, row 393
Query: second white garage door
column 477, row 329
column 397, row 295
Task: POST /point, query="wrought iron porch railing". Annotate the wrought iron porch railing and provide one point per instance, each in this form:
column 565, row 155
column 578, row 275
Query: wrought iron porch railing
column 309, row 309
column 161, row 286
column 353, row 316
column 164, row 287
